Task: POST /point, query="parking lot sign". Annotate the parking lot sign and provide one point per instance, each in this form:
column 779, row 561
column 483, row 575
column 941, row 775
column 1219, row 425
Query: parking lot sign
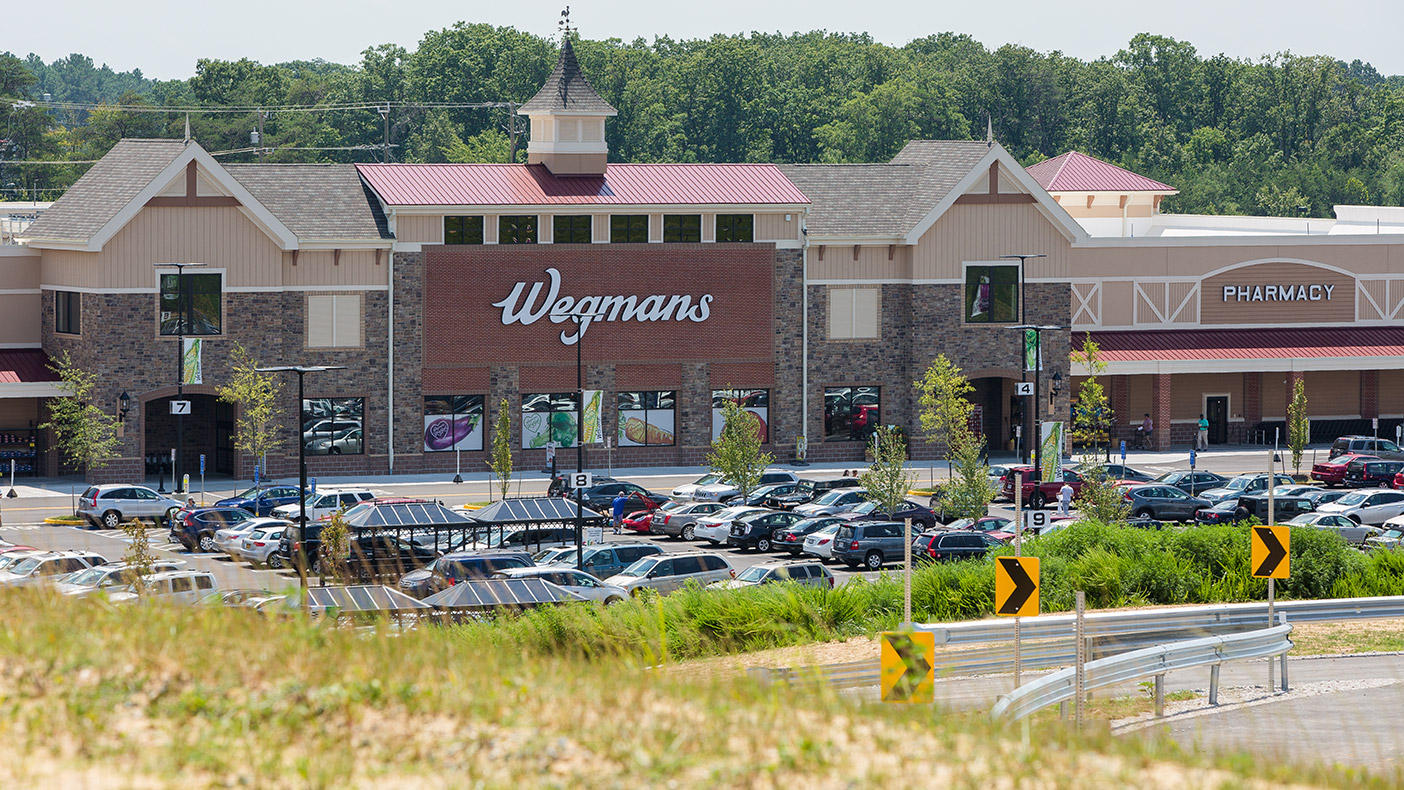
column 581, row 479
column 202, row 464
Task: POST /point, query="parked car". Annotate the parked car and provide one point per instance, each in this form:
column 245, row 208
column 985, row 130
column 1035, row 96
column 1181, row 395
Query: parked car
column 607, row 559
column 1162, row 502
column 1389, row 539
column 187, row 587
column 679, row 522
column 323, row 504
column 1192, row 481
column 48, row 566
column 1368, row 506
column 757, row 530
column 195, row 529
column 1283, row 507
column 109, row 577
column 260, row 546
column 952, row 545
column 1332, row 472
column 1367, row 445
column 820, row 542
column 345, row 440
column 760, row 496
column 600, row 497
column 1124, row 472
column 531, row 539
column 807, row 491
column 227, row 540
column 716, row 528
column 872, row 543
column 723, row 490
column 450, row 569
column 686, row 490
column 990, row 525
column 1244, row 484
column 791, row 538
column 380, row 556
column 834, row 501
column 1321, row 497
column 566, row 554
column 1044, row 492
column 1353, row 533
column 1225, row 512
column 805, row 572
column 668, row 572
column 109, row 505
column 571, row 580
column 922, row 516
column 261, row 501
column 640, row 521
column 1368, row 473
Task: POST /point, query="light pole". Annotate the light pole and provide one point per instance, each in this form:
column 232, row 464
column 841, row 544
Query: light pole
column 180, row 366
column 582, row 322
column 301, row 370
column 1035, row 403
column 1030, row 421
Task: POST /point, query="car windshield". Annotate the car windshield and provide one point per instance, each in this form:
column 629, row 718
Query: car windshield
column 88, row 577
column 753, row 574
column 831, row 497
column 863, row 508
column 1340, row 459
column 10, row 559
column 804, row 524
column 359, row 507
column 961, row 523
column 669, row 507
column 25, row 567
column 640, row 568
column 825, row 531
column 706, row 480
column 257, row 534
column 1353, row 498
column 251, row 493
column 1170, row 477
column 1393, row 533
column 1238, row 483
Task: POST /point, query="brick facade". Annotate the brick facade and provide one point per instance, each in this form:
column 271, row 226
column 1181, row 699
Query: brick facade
column 1369, row 394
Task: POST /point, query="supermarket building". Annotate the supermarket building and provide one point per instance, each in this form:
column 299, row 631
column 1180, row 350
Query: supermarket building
column 811, row 294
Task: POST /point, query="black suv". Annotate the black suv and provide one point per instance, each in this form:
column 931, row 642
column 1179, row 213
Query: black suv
column 757, row 530
column 451, row 569
column 195, row 529
column 600, row 497
column 957, row 545
column 381, row 556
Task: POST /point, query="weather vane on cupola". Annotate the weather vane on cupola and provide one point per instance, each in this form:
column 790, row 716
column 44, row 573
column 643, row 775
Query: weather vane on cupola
column 563, row 26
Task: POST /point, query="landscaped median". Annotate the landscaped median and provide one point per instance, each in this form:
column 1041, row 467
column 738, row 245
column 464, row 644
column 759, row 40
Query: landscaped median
column 1115, row 565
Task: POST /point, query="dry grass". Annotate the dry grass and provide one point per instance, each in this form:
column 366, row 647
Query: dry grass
column 149, row 697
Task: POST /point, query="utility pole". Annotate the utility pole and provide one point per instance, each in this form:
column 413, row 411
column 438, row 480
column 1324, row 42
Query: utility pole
column 385, row 147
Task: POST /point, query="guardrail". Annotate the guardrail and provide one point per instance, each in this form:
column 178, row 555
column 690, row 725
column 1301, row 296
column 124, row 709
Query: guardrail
column 1155, row 662
column 1049, row 640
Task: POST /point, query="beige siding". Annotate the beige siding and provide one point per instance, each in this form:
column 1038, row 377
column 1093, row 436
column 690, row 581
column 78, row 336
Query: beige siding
column 18, row 412
column 1117, row 303
column 871, row 264
column 318, row 268
column 1275, row 395
column 1333, row 393
column 20, row 317
column 773, row 227
column 709, row 227
column 983, row 232
column 1103, row 262
column 20, row 271
column 1138, row 403
column 1187, row 393
column 425, row 229
column 490, row 229
column 546, row 228
column 1391, row 392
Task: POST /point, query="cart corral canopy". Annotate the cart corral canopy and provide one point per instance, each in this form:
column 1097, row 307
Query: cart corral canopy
column 545, row 510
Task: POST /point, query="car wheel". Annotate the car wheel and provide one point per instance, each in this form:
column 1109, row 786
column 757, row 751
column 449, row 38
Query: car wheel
column 275, row 561
column 112, row 519
column 613, row 600
column 763, row 544
column 687, row 532
column 207, row 543
column 1240, row 514
column 1145, row 512
column 336, row 451
column 1037, row 499
column 873, row 560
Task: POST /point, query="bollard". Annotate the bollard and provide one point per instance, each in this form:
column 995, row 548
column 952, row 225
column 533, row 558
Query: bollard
column 1214, row 685
column 1159, row 696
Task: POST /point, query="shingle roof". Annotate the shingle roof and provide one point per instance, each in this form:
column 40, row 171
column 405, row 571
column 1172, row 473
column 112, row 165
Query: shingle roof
column 1075, row 171
column 316, row 201
column 884, row 199
column 108, row 185
column 567, row 90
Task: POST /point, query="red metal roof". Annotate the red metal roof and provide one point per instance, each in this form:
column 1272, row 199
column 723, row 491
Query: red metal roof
column 1172, row 345
column 623, row 184
column 24, row 365
column 1078, row 172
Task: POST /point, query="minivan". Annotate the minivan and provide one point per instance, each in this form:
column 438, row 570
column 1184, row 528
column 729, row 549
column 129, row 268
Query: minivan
column 668, row 572
column 451, row 569
column 607, row 560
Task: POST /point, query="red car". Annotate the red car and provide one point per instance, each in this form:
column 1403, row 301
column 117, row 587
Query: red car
column 639, row 514
column 1042, row 493
column 1399, row 480
column 1332, row 472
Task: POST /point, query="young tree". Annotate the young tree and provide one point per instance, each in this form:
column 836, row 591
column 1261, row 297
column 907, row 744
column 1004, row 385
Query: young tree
column 1092, row 415
column 969, row 492
column 1298, row 426
column 256, row 394
column 736, row 454
column 138, row 556
column 83, row 432
column 334, row 552
column 502, row 448
column 888, row 480
column 945, row 409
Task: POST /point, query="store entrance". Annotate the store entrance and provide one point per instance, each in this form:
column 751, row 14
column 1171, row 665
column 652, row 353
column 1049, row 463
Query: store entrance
column 992, row 405
column 1216, row 412
column 203, row 428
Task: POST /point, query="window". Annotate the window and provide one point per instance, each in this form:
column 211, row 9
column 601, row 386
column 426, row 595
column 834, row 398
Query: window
column 853, row 313
column 192, row 300
column 572, row 230
column 736, row 227
column 851, row 413
column 686, row 566
column 757, row 402
column 628, row 228
column 991, row 294
column 68, row 312
column 646, row 418
column 334, row 321
column 682, row 227
column 463, row 230
column 332, row 426
column 520, row 229
column 453, row 422
column 551, row 418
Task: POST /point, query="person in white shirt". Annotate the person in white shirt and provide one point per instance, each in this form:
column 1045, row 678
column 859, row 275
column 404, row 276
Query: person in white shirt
column 1065, row 497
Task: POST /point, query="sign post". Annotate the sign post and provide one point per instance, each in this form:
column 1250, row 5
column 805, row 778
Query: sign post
column 908, row 661
column 1123, row 452
column 907, row 574
column 174, row 482
column 1018, row 550
column 202, row 478
column 1192, row 459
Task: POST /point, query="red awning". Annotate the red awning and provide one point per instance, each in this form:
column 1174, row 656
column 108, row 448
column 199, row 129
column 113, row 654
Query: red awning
column 1229, row 344
column 24, row 366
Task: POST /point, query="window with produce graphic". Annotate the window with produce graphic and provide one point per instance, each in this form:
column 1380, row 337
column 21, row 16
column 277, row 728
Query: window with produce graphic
column 332, row 426
column 757, row 402
column 851, row 413
column 646, row 419
column 550, row 417
column 453, row 422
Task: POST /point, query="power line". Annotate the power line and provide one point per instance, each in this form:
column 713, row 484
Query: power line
column 209, row 109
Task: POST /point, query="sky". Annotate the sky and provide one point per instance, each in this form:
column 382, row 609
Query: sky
column 164, row 38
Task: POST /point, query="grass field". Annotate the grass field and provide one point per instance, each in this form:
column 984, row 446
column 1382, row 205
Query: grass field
column 95, row 696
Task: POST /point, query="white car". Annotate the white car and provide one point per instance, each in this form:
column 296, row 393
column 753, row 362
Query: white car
column 186, row 587
column 716, row 528
column 820, row 543
column 686, row 490
column 261, row 546
column 324, row 503
column 49, row 566
column 110, row 577
column 835, row 501
column 227, row 540
column 1368, row 506
column 722, row 491
column 571, row 580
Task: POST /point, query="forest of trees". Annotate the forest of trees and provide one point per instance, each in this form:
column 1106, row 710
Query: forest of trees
column 1236, row 136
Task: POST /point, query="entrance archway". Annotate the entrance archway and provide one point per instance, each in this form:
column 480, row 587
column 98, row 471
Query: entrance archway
column 208, row 431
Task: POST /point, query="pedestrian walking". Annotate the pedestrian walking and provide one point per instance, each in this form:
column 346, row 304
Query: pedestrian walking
column 1202, row 440
column 619, row 501
column 1065, row 496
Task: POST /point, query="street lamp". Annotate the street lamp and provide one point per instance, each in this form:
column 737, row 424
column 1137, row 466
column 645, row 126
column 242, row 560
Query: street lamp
column 1029, row 421
column 301, row 370
column 582, row 322
column 180, row 365
column 1034, row 402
